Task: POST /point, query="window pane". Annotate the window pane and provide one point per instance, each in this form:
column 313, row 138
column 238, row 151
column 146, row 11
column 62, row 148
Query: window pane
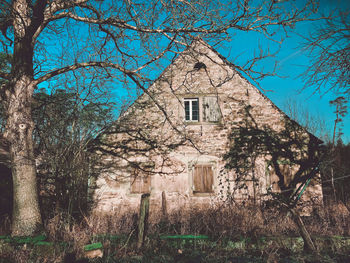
column 195, row 115
column 195, row 105
column 191, row 109
column 135, row 184
column 187, row 110
column 195, row 110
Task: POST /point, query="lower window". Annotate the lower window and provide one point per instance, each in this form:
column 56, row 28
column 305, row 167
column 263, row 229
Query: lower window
column 203, row 179
column 140, row 183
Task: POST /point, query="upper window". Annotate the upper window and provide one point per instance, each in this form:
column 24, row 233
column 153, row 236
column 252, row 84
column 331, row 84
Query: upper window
column 191, row 109
column 209, row 107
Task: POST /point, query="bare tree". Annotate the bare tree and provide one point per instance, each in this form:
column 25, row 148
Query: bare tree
column 124, row 40
column 314, row 124
column 329, row 51
column 340, row 112
column 341, row 109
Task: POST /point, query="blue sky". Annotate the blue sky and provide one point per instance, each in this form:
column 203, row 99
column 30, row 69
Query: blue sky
column 291, row 58
column 292, row 62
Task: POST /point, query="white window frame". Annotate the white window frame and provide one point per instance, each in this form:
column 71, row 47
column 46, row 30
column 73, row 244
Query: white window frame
column 191, row 100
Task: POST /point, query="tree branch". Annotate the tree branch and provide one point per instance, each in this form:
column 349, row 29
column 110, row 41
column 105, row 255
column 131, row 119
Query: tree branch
column 49, row 11
column 84, row 65
column 161, row 108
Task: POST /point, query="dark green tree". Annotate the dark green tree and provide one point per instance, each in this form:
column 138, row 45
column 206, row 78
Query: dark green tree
column 64, row 126
column 335, row 173
column 341, row 109
column 289, row 145
column 342, row 172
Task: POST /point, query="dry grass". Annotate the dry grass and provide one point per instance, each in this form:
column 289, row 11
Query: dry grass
column 332, row 219
column 220, row 223
column 228, row 221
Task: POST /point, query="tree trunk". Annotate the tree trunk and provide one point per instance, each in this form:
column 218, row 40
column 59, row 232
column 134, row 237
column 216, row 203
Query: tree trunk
column 26, row 218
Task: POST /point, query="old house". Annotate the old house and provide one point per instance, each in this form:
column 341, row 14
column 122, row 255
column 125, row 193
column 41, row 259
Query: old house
column 172, row 140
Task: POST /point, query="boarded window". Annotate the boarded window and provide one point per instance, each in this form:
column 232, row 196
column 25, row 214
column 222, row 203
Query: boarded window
column 211, row 109
column 140, row 183
column 203, row 179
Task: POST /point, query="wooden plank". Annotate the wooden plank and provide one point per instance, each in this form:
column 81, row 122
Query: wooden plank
column 135, row 184
column 197, row 179
column 164, row 207
column 211, row 109
column 145, row 183
column 140, row 183
column 208, row 178
column 143, row 220
column 203, row 179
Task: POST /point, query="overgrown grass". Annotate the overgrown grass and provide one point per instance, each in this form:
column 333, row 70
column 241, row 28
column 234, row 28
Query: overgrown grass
column 231, row 230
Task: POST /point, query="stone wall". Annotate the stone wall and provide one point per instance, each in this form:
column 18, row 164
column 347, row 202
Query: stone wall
column 153, row 138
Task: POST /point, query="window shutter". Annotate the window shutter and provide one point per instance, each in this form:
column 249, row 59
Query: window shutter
column 203, row 179
column 197, row 179
column 208, row 179
column 146, row 184
column 140, row 183
column 135, row 184
column 211, row 109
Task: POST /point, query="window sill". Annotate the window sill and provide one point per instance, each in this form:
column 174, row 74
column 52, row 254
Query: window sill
column 201, row 123
column 200, row 194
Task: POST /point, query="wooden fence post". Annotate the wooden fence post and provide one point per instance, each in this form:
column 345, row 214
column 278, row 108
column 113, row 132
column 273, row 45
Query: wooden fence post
column 164, row 207
column 143, row 220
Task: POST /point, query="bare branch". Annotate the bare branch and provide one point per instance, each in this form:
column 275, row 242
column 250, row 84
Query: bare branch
column 161, row 108
column 241, row 22
column 49, row 12
column 83, row 65
column 329, row 51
